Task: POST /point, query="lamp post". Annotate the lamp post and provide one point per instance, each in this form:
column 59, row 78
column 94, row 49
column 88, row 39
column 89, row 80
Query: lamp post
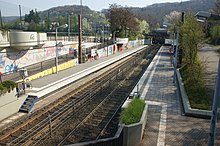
column 69, row 27
column 114, row 36
column 202, row 17
column 56, row 27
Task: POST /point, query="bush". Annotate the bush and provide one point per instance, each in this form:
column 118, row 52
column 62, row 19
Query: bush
column 7, row 86
column 133, row 113
column 10, row 85
column 3, row 89
column 194, row 84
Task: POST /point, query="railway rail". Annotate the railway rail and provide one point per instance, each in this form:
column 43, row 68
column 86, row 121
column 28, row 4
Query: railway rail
column 51, row 124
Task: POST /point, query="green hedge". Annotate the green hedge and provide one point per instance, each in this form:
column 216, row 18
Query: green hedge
column 7, row 86
column 133, row 113
column 194, row 84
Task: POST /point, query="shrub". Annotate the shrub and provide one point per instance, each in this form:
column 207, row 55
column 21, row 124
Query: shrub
column 133, row 113
column 3, row 89
column 9, row 85
column 194, row 84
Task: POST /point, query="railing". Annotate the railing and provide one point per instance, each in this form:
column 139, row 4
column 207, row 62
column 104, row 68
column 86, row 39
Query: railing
column 44, row 65
column 117, row 140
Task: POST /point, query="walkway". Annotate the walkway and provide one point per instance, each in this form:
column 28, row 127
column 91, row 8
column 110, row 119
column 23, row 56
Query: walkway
column 166, row 126
column 210, row 58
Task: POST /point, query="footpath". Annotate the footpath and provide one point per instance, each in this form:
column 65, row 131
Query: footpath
column 166, row 125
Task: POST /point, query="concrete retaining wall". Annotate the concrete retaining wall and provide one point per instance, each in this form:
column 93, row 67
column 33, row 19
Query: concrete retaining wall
column 185, row 101
column 133, row 133
column 10, row 104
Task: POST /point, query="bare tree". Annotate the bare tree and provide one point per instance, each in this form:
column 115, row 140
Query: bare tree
column 121, row 19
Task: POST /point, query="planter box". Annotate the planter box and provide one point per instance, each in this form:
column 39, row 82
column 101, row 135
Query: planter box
column 133, row 133
column 188, row 111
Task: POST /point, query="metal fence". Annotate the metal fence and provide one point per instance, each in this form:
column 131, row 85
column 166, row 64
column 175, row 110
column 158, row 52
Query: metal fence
column 117, row 140
column 47, row 64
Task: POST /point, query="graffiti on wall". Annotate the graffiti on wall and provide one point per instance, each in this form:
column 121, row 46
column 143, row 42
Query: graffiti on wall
column 2, row 62
column 11, row 68
column 10, row 62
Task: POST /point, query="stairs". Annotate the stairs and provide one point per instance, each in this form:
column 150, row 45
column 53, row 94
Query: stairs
column 28, row 104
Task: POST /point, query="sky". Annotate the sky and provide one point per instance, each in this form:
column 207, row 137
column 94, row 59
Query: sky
column 10, row 7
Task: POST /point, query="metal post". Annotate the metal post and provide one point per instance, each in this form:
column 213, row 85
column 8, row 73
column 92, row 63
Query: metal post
column 80, row 39
column 20, row 17
column 56, row 53
column 1, row 20
column 81, row 7
column 176, row 56
column 114, row 37
column 68, row 27
column 50, row 124
column 215, row 109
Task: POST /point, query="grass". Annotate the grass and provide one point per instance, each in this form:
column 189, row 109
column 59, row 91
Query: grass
column 195, row 86
column 133, row 113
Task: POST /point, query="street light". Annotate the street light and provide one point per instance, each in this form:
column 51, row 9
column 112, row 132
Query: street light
column 205, row 16
column 114, row 39
column 56, row 27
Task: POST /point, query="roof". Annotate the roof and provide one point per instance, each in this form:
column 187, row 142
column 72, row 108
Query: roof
column 206, row 15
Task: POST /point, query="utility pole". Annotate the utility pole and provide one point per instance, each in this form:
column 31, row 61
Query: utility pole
column 20, row 17
column 1, row 19
column 69, row 27
column 80, row 39
column 48, row 20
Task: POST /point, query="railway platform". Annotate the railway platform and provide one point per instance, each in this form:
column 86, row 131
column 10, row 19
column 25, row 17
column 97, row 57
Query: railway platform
column 166, row 124
column 44, row 88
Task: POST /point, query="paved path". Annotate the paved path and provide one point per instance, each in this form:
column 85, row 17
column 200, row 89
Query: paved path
column 166, row 125
column 210, row 58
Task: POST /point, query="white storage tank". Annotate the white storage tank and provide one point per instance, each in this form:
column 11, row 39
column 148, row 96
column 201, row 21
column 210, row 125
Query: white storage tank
column 41, row 38
column 23, row 40
column 4, row 39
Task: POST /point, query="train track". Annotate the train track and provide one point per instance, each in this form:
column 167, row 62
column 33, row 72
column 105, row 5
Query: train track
column 44, row 123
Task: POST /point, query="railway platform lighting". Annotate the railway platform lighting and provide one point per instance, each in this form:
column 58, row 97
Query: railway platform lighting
column 114, row 39
column 203, row 16
column 56, row 27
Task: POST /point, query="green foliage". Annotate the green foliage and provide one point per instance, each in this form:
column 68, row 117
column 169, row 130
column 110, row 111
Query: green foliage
column 32, row 17
column 215, row 34
column 3, row 89
column 133, row 113
column 218, row 50
column 192, row 75
column 9, row 85
column 191, row 36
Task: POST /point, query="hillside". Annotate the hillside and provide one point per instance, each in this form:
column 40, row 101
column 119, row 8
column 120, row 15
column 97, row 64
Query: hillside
column 65, row 10
column 158, row 11
column 154, row 13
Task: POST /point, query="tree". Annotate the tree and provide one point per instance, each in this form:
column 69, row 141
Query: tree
column 215, row 34
column 191, row 36
column 32, row 17
column 143, row 28
column 173, row 18
column 122, row 20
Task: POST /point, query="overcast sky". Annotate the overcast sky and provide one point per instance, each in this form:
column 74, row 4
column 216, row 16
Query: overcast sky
column 10, row 7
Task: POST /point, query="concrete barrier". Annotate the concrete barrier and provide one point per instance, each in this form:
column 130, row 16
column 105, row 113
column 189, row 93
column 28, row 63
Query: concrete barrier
column 133, row 133
column 188, row 111
column 10, row 104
